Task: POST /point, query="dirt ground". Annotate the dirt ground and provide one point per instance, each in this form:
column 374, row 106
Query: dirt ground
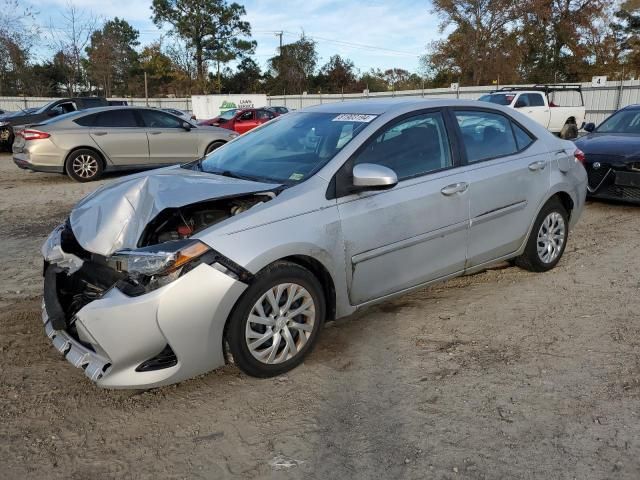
column 501, row 375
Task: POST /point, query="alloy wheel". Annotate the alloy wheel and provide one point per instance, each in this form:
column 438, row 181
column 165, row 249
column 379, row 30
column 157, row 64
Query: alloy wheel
column 85, row 166
column 551, row 237
column 280, row 323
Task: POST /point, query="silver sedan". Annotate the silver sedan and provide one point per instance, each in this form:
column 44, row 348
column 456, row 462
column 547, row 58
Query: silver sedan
column 159, row 276
column 86, row 143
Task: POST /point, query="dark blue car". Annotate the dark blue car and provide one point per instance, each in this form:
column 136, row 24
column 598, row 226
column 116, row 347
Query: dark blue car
column 612, row 154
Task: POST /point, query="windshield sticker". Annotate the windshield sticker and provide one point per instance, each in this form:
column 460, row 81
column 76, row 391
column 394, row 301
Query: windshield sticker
column 296, row 176
column 354, row 117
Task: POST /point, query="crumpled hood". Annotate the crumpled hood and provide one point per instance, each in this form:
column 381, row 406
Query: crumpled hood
column 114, row 216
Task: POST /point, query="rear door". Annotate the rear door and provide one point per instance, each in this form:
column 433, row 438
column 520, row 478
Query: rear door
column 508, row 178
column 169, row 142
column 120, row 136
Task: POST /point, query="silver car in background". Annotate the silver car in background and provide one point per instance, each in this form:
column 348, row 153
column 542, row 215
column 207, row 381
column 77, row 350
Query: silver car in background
column 156, row 277
column 86, row 143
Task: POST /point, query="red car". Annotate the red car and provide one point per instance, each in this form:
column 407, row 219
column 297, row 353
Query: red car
column 241, row 121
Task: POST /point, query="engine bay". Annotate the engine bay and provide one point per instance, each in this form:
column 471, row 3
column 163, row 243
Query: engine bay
column 183, row 222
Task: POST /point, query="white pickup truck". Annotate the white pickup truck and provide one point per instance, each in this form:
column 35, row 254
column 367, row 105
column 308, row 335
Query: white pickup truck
column 538, row 103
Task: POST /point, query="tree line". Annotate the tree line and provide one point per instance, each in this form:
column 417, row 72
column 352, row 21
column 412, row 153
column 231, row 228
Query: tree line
column 484, row 42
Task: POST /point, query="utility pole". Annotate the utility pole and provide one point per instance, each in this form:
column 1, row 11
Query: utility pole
column 146, row 90
column 279, row 34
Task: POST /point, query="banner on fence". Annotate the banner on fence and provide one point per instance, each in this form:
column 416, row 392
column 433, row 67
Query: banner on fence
column 209, row 106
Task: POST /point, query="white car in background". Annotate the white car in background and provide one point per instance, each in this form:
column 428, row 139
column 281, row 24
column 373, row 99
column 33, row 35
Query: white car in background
column 183, row 114
column 541, row 104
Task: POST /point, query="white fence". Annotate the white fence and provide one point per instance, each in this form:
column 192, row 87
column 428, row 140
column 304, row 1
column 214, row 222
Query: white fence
column 19, row 103
column 600, row 102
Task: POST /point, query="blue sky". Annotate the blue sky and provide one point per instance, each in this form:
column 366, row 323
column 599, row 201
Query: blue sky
column 372, row 33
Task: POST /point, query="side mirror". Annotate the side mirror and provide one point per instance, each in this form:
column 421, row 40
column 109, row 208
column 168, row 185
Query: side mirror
column 520, row 104
column 589, row 127
column 186, row 126
column 370, row 176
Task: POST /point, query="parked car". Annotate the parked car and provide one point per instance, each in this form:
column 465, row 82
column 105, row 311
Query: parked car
column 85, row 144
column 612, row 156
column 184, row 115
column 117, row 103
column 537, row 103
column 242, row 120
column 306, row 219
column 10, row 125
column 279, row 110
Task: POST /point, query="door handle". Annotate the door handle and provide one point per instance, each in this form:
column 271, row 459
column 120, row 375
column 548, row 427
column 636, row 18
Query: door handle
column 99, row 134
column 155, row 133
column 539, row 165
column 454, row 188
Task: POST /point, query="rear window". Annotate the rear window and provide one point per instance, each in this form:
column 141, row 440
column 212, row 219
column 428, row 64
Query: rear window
column 498, row 98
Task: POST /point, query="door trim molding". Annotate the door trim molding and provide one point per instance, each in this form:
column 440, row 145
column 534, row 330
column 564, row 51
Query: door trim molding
column 499, row 212
column 409, row 242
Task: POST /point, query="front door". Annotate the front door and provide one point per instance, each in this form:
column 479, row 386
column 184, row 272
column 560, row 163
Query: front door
column 169, row 142
column 416, row 231
column 508, row 179
column 535, row 108
column 245, row 121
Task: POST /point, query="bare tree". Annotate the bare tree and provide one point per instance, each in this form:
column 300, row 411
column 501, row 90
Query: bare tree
column 70, row 36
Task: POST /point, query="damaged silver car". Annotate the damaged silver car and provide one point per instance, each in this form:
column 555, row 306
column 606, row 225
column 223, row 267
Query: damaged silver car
column 161, row 276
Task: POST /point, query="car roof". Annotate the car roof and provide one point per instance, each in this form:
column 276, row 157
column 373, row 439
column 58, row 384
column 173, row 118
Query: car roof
column 379, row 106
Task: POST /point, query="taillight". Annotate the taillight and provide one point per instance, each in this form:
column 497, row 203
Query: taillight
column 579, row 156
column 34, row 135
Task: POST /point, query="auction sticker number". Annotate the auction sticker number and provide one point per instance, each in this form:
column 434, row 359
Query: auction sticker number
column 354, row 117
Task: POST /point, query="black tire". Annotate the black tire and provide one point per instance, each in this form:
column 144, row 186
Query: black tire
column 211, row 147
column 569, row 131
column 530, row 259
column 272, row 276
column 94, row 162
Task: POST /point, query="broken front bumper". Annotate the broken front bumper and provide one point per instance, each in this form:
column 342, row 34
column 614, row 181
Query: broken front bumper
column 113, row 336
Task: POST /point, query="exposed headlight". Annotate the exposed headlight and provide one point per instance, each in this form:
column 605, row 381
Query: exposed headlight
column 158, row 260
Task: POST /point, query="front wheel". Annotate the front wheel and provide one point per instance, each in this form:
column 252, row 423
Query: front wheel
column 277, row 321
column 547, row 240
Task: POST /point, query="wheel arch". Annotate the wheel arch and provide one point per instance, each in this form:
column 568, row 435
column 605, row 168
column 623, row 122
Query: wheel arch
column 101, row 155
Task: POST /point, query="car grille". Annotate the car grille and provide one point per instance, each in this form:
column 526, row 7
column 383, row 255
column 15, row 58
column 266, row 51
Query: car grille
column 623, row 193
column 596, row 176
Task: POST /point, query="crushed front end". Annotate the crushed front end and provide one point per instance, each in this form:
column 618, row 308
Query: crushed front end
column 130, row 330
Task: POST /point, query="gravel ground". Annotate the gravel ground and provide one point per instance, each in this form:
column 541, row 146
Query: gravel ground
column 504, row 374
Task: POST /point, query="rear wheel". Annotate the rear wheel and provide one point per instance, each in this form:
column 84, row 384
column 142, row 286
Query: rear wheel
column 569, row 131
column 277, row 321
column 212, row 147
column 547, row 240
column 84, row 165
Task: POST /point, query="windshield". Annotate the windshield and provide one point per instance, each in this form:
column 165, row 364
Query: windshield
column 44, row 107
column 498, row 98
column 228, row 115
column 64, row 116
column 287, row 150
column 625, row 121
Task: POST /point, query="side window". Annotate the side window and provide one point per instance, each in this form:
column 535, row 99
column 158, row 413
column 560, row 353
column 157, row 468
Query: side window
column 116, row 118
column 87, row 120
column 536, row 100
column 485, row 135
column 523, row 139
column 414, row 146
column 157, row 119
column 265, row 115
column 246, row 116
